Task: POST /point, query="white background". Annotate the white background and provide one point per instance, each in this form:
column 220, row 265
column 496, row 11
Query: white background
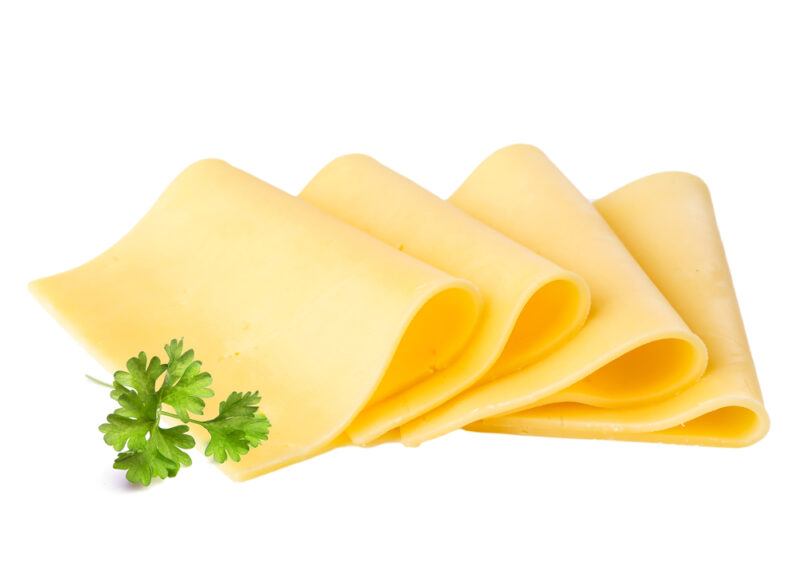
column 102, row 104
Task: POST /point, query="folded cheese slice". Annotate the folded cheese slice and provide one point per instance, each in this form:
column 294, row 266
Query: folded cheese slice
column 279, row 296
column 634, row 348
column 667, row 222
column 531, row 305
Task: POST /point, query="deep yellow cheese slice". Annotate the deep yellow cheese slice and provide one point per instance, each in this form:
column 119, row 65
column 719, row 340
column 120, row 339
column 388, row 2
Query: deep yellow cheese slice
column 634, row 348
column 667, row 222
column 531, row 305
column 278, row 296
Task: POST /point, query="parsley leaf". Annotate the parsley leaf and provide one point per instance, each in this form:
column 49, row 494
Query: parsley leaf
column 121, row 431
column 237, row 428
column 171, row 442
column 185, row 386
column 152, row 451
column 145, row 464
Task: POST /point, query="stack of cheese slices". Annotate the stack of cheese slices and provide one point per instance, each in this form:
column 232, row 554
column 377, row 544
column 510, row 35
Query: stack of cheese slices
column 367, row 309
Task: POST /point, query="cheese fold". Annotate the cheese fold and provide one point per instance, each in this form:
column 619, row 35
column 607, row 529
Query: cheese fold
column 634, row 348
column 278, row 296
column 531, row 305
column 667, row 222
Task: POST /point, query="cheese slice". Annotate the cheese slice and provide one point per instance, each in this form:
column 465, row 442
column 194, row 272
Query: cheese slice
column 368, row 310
column 278, row 296
column 634, row 348
column 531, row 305
column 667, row 222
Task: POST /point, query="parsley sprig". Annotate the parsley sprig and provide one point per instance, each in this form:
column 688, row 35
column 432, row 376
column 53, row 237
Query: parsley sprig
column 154, row 451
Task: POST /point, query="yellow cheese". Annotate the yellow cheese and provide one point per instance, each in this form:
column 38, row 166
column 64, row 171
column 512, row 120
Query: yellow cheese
column 278, row 296
column 530, row 304
column 634, row 348
column 667, row 223
column 369, row 310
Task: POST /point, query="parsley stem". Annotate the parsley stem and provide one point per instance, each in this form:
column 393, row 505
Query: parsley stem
column 168, row 414
column 98, row 382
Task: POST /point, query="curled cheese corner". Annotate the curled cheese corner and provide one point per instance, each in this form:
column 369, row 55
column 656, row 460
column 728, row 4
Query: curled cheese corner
column 531, row 304
column 634, row 348
column 278, row 296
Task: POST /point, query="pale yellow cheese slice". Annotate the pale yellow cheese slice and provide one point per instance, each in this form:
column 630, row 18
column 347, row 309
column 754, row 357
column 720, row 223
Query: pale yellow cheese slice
column 277, row 296
column 634, row 348
column 667, row 222
column 531, row 305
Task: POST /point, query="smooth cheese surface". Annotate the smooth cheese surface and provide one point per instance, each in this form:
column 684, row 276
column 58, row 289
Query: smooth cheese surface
column 667, row 222
column 531, row 305
column 276, row 296
column 634, row 348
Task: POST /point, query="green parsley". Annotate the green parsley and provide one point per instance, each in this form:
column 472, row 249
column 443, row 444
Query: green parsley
column 153, row 451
